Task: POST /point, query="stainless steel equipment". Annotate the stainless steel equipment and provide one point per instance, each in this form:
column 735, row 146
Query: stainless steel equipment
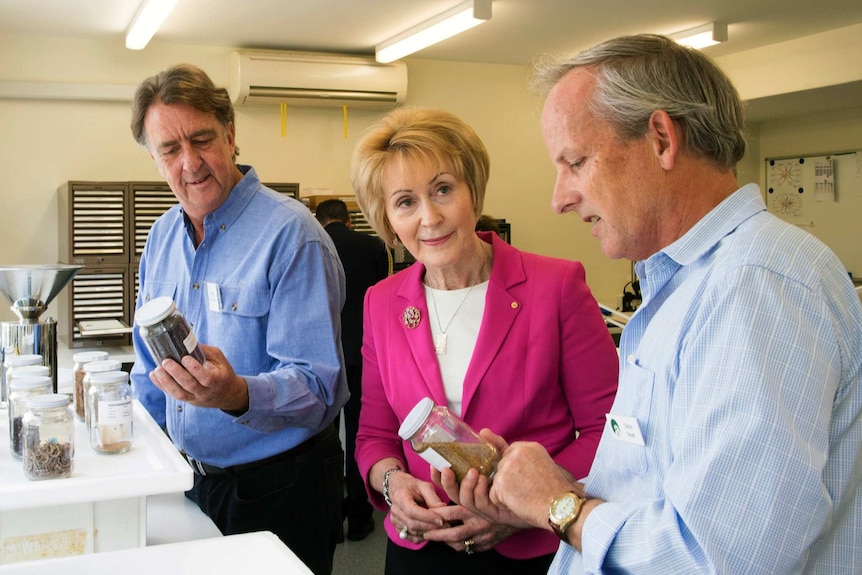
column 30, row 288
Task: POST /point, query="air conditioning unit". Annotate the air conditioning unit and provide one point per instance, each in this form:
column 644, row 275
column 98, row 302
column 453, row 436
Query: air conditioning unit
column 315, row 79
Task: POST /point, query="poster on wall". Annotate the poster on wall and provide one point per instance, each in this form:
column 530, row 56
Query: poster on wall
column 792, row 184
column 785, row 190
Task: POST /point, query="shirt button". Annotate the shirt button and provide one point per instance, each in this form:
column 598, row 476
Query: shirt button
column 196, row 285
column 223, row 227
column 514, row 305
column 179, row 409
column 631, row 359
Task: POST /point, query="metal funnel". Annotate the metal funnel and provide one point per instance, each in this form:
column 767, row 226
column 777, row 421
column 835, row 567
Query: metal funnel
column 31, row 288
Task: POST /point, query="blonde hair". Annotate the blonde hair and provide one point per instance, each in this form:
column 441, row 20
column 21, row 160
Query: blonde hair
column 434, row 136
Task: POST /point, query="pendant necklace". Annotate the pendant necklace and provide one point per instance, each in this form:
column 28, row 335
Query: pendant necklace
column 441, row 340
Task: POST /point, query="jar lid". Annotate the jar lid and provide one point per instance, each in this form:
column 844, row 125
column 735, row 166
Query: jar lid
column 46, row 400
column 155, row 311
column 30, row 370
column 88, row 356
column 108, row 377
column 30, row 382
column 104, row 365
column 416, row 418
column 28, row 359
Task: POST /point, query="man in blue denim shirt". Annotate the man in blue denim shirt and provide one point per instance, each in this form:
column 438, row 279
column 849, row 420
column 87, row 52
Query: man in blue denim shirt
column 261, row 285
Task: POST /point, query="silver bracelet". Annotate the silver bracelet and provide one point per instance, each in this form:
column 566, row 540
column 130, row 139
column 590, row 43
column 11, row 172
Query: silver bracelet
column 386, row 483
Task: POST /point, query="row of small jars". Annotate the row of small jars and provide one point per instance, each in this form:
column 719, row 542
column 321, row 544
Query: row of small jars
column 41, row 424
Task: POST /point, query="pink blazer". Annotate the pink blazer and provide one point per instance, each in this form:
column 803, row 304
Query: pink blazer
column 544, row 369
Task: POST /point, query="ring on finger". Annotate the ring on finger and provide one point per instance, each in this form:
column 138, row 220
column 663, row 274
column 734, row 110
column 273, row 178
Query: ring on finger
column 469, row 545
column 403, row 533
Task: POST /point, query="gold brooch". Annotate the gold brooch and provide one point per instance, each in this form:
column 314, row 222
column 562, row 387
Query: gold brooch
column 411, row 317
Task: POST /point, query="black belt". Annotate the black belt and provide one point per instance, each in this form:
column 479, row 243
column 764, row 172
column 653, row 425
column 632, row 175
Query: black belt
column 204, row 469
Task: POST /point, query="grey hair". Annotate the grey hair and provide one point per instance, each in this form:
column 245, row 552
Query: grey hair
column 637, row 75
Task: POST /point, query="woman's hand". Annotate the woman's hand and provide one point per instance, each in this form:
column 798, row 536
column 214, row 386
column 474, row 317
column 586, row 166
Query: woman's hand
column 412, row 501
column 462, row 526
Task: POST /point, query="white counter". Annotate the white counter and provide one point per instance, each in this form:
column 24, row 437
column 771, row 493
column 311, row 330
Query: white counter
column 260, row 552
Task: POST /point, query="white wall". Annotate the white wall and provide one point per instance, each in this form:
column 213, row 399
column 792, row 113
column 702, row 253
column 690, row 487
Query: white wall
column 45, row 143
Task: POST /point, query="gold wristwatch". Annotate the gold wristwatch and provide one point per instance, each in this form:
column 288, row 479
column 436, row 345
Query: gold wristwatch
column 565, row 510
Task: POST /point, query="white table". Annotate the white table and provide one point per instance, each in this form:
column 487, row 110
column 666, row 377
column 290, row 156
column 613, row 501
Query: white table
column 260, row 552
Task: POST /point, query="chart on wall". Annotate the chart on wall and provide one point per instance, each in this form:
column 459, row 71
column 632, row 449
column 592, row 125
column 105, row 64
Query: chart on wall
column 823, row 195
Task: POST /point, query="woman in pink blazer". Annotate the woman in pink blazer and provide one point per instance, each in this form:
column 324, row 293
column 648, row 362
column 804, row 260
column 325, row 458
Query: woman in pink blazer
column 506, row 339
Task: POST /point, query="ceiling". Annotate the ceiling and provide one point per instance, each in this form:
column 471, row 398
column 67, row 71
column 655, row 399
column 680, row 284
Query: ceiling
column 518, row 31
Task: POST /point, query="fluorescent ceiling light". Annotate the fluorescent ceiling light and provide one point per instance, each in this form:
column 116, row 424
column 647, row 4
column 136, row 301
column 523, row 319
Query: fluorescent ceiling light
column 150, row 16
column 454, row 21
column 702, row 36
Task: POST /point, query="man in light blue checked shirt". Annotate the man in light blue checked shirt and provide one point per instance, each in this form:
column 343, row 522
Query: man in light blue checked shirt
column 737, row 445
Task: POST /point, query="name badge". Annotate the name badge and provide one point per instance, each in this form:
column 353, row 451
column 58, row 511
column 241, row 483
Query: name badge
column 625, row 428
column 213, row 297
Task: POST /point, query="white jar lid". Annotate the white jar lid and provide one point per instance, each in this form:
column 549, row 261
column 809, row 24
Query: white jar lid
column 27, row 359
column 104, row 365
column 88, row 356
column 30, row 370
column 108, row 377
column 47, row 400
column 155, row 311
column 30, row 382
column 416, row 418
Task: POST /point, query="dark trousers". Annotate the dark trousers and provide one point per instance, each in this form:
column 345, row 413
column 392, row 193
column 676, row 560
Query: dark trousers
column 298, row 498
column 358, row 509
column 440, row 559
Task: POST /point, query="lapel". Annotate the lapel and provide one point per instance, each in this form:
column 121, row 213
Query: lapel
column 411, row 294
column 502, row 306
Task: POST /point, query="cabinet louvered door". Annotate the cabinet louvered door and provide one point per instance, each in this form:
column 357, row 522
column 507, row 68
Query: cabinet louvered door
column 149, row 201
column 291, row 190
column 94, row 223
column 99, row 296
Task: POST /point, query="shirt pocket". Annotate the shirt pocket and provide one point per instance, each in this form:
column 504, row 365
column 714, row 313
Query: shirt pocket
column 633, row 400
column 244, row 302
column 240, row 328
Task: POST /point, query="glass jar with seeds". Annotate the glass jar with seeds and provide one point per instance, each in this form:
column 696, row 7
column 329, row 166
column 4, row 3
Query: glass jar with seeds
column 444, row 440
column 165, row 331
column 109, row 410
column 90, row 368
column 81, row 359
column 20, row 388
column 48, row 429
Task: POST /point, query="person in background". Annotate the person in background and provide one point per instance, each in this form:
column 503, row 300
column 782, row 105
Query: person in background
column 260, row 283
column 487, row 223
column 739, row 411
column 365, row 263
column 499, row 336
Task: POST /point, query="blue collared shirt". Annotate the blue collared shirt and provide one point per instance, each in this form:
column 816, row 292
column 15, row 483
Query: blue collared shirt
column 266, row 287
column 743, row 368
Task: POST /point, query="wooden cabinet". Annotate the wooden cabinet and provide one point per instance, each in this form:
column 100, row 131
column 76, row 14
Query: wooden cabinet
column 104, row 226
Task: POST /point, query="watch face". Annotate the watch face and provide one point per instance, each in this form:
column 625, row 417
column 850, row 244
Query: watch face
column 564, row 506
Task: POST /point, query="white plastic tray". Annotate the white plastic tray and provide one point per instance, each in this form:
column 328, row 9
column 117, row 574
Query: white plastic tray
column 152, row 466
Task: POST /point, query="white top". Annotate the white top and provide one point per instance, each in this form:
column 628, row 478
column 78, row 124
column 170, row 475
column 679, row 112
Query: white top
column 460, row 314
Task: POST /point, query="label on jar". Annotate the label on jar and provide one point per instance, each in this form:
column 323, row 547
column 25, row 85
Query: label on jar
column 114, row 412
column 435, row 459
column 191, row 342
